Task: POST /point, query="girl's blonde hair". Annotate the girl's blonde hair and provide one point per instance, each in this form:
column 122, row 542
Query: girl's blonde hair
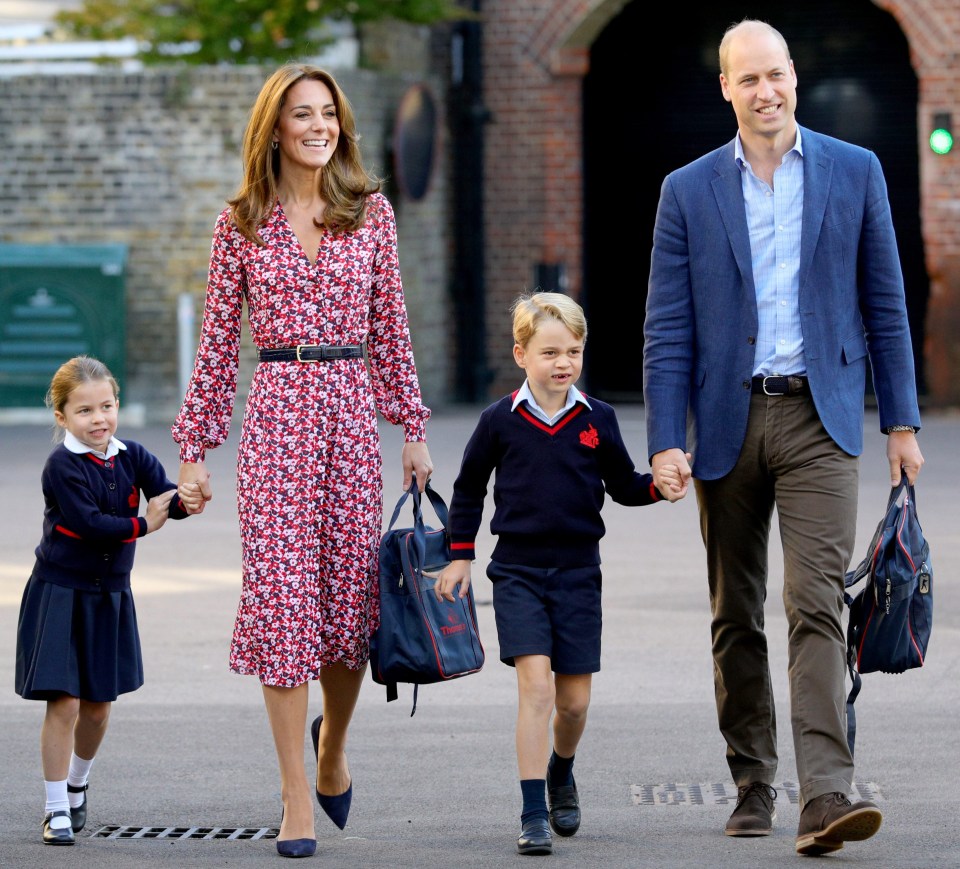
column 344, row 183
column 70, row 375
column 531, row 309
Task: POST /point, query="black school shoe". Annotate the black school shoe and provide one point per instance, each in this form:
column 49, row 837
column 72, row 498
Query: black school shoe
column 564, row 803
column 78, row 816
column 535, row 837
column 59, row 836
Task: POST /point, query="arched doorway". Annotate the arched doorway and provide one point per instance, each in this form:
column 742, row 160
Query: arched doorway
column 652, row 103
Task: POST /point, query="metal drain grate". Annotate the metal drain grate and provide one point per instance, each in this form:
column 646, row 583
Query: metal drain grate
column 245, row 833
column 724, row 793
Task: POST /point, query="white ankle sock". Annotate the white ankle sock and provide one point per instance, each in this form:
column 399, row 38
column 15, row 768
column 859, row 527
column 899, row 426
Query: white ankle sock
column 79, row 770
column 57, row 798
column 78, row 776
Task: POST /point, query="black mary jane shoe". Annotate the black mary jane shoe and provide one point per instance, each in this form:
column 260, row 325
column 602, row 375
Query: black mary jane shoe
column 535, row 837
column 564, row 803
column 59, row 835
column 78, row 816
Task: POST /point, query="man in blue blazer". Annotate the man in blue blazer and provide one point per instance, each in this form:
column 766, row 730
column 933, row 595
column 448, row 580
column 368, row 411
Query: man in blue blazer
column 774, row 279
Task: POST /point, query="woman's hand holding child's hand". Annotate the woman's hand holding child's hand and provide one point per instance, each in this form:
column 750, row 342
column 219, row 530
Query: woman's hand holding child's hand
column 456, row 572
column 191, row 497
column 194, row 477
column 158, row 510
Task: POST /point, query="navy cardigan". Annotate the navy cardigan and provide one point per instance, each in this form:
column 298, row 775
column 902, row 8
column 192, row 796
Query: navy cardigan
column 90, row 517
column 549, row 484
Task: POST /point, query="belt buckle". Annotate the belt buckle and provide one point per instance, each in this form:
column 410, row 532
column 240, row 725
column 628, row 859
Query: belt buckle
column 309, row 347
column 771, row 377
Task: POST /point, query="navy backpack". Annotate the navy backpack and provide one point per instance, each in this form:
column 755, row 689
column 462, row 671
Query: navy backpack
column 420, row 639
column 892, row 617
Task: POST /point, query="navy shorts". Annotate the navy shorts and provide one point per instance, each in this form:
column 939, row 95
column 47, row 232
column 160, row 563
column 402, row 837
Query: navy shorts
column 550, row 611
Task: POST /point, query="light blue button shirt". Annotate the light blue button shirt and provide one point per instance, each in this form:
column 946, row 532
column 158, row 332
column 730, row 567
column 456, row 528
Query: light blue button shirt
column 774, row 218
column 524, row 394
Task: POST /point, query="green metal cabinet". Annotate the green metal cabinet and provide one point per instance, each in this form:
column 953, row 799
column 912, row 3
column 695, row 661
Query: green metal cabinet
column 58, row 301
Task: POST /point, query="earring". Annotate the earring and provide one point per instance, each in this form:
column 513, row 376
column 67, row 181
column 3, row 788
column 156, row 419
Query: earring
column 275, row 144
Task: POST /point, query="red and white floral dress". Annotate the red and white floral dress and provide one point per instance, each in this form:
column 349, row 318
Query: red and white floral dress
column 309, row 487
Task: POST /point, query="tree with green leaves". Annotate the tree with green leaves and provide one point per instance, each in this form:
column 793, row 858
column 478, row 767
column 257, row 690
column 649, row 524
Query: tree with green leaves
column 236, row 31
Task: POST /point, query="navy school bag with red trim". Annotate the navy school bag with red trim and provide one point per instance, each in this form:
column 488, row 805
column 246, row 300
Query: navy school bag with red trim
column 420, row 639
column 892, row 616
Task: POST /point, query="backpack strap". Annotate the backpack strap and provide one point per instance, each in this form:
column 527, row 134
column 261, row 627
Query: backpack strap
column 392, row 695
column 857, row 683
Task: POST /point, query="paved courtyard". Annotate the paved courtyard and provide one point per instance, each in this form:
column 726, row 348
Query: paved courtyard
column 189, row 755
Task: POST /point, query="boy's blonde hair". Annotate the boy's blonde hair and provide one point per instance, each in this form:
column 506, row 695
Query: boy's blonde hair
column 531, row 309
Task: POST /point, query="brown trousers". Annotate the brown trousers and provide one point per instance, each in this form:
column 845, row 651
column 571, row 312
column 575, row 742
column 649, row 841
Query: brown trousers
column 788, row 460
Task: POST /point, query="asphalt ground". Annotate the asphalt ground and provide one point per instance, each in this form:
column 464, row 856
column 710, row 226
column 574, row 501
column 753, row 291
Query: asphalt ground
column 189, row 755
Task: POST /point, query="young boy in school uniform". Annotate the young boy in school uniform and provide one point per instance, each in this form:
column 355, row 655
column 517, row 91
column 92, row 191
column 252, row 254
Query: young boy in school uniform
column 554, row 451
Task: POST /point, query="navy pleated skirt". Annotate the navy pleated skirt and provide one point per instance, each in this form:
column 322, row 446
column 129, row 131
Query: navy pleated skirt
column 81, row 643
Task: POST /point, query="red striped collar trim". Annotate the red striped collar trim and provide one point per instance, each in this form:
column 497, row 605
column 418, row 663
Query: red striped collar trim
column 574, row 411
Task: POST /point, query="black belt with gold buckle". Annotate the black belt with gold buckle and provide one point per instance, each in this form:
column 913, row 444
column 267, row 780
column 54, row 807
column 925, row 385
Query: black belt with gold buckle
column 312, row 353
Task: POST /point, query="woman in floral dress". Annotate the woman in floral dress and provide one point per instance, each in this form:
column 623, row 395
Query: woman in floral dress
column 310, row 244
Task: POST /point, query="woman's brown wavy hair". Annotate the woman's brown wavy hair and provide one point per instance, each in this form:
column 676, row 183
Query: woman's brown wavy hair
column 344, row 183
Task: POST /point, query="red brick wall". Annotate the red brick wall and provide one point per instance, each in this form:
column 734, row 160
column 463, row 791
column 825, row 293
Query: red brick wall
column 932, row 28
column 533, row 186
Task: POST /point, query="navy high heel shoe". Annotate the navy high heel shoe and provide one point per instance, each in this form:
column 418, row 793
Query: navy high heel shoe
column 295, row 847
column 337, row 808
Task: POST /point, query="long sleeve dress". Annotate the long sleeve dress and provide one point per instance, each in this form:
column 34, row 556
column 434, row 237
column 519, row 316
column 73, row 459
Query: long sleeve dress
column 309, row 486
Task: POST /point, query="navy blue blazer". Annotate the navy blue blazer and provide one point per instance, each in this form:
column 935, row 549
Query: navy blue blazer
column 701, row 321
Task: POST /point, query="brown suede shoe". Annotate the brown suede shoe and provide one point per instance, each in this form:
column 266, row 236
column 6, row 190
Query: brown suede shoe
column 754, row 813
column 828, row 821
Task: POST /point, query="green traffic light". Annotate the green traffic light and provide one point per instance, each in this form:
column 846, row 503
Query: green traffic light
column 941, row 141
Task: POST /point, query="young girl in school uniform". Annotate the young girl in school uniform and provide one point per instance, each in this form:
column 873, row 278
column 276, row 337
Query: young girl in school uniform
column 77, row 640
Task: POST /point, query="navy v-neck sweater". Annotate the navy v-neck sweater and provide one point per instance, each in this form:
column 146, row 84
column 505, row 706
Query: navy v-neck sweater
column 549, row 484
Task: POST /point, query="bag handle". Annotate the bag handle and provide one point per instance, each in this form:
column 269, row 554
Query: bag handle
column 419, row 531
column 439, row 506
column 897, row 493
